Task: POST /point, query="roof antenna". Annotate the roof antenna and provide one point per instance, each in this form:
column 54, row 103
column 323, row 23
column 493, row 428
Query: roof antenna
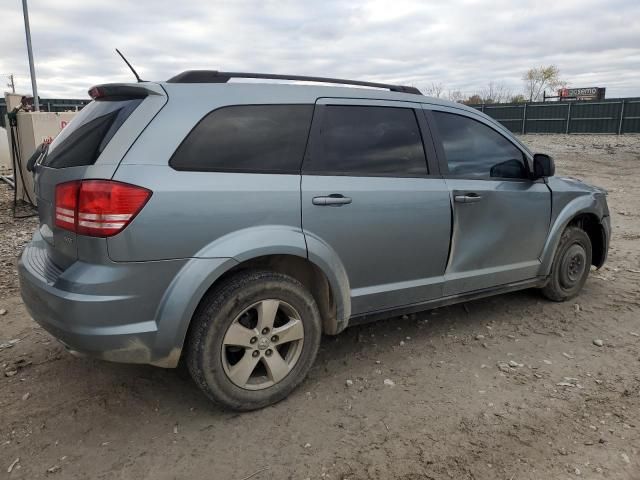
column 129, row 65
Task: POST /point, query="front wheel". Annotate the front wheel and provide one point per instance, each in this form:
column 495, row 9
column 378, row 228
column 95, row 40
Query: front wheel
column 254, row 339
column 571, row 265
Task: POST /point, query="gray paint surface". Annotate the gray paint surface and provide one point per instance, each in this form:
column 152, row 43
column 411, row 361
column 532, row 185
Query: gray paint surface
column 401, row 241
column 499, row 239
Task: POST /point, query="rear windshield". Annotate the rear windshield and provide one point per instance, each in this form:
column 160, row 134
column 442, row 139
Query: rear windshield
column 83, row 140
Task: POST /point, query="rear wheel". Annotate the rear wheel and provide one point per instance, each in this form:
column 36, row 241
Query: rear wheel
column 571, row 265
column 254, row 339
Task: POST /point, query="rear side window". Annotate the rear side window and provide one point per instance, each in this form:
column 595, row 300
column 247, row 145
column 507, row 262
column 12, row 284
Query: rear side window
column 247, row 138
column 83, row 140
column 474, row 150
column 368, row 141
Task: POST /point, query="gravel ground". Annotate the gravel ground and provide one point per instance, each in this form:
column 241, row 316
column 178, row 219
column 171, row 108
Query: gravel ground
column 510, row 387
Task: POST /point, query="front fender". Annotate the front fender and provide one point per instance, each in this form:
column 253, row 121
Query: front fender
column 583, row 204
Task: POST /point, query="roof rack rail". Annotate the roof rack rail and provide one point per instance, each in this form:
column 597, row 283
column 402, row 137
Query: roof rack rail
column 214, row 76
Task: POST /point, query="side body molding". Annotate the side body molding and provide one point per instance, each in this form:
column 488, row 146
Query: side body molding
column 199, row 273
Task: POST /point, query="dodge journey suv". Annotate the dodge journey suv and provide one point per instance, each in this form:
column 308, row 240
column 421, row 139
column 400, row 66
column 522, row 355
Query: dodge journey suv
column 231, row 224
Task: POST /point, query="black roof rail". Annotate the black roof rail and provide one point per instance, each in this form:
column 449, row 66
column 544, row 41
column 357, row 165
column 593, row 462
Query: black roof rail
column 214, row 76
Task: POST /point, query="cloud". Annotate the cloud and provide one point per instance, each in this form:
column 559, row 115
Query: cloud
column 463, row 44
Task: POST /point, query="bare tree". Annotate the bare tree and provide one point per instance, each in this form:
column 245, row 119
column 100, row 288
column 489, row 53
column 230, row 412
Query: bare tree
column 537, row 79
column 495, row 93
column 434, row 90
column 455, row 96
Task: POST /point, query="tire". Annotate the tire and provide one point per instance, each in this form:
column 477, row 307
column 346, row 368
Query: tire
column 571, row 265
column 228, row 336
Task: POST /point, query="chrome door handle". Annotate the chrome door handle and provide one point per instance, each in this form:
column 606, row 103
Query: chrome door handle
column 333, row 200
column 468, row 198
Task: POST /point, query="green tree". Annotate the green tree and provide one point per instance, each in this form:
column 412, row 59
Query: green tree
column 473, row 100
column 537, row 79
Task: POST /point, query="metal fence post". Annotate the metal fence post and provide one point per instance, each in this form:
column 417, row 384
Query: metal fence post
column 566, row 131
column 482, row 108
column 524, row 118
column 621, row 117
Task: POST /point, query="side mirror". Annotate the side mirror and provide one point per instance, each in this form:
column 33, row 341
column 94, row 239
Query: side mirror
column 543, row 166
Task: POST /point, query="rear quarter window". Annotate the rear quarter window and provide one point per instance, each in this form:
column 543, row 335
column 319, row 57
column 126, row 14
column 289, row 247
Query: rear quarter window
column 87, row 135
column 247, row 138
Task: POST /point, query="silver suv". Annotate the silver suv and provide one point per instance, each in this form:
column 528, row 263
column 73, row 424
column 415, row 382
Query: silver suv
column 231, row 224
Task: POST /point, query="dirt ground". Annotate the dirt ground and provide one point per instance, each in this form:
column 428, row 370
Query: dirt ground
column 565, row 409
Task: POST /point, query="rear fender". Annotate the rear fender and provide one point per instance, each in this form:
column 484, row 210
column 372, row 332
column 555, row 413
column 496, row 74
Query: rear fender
column 261, row 241
column 198, row 275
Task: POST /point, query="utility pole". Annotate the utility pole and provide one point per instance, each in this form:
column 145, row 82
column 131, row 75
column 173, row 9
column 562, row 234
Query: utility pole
column 12, row 83
column 27, row 30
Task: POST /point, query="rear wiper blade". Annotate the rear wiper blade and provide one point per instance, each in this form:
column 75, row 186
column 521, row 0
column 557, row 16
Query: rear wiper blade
column 40, row 153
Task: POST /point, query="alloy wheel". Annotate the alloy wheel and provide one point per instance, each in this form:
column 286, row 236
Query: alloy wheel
column 262, row 344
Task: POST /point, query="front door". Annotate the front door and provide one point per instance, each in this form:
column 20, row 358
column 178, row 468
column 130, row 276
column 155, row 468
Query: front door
column 500, row 217
column 368, row 196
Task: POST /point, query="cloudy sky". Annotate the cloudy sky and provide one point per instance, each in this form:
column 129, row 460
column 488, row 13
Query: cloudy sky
column 463, row 44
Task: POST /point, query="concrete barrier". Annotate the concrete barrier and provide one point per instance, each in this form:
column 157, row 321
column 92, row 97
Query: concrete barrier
column 5, row 158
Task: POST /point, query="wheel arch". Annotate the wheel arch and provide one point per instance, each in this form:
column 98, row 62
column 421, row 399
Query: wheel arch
column 307, row 273
column 280, row 250
column 584, row 213
column 590, row 223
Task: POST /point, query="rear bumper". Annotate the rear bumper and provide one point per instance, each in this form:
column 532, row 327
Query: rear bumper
column 106, row 311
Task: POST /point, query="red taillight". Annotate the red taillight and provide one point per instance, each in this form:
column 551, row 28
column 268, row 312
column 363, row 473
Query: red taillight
column 66, row 205
column 98, row 208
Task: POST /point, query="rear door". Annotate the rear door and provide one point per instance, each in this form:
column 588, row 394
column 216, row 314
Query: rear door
column 369, row 193
column 500, row 217
column 90, row 146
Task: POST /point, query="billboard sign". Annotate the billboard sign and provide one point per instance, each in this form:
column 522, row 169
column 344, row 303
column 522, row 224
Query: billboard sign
column 588, row 93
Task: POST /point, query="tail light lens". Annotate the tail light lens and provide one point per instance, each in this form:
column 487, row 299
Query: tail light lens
column 98, row 208
column 66, row 205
